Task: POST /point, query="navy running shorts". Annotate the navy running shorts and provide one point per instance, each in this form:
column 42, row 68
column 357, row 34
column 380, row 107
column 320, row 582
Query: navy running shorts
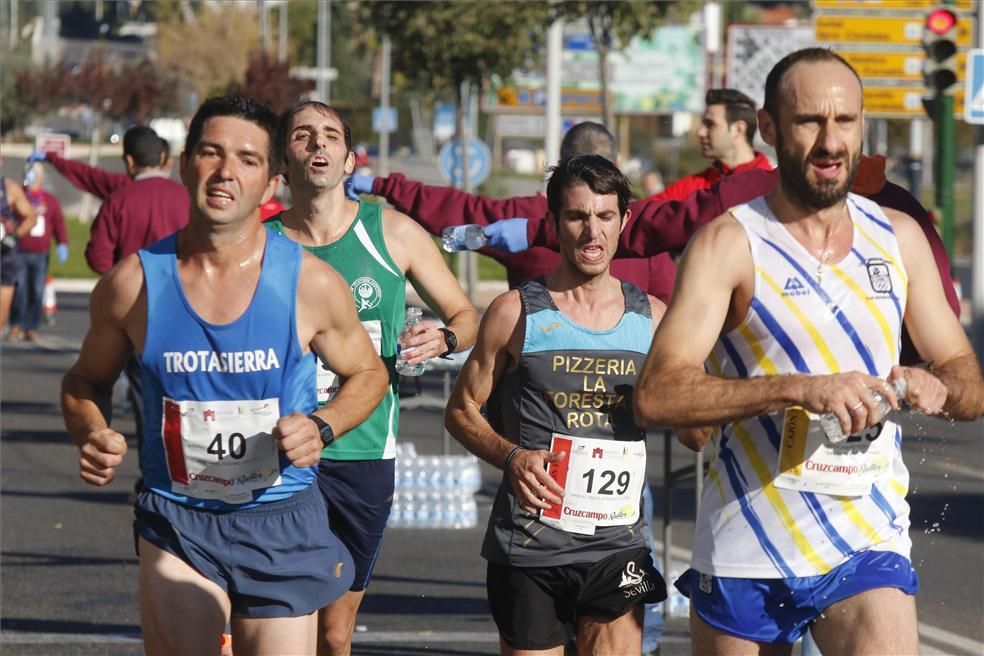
column 359, row 495
column 11, row 264
column 278, row 559
column 780, row 611
column 538, row 607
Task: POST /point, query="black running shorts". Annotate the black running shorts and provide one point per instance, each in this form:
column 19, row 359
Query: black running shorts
column 538, row 607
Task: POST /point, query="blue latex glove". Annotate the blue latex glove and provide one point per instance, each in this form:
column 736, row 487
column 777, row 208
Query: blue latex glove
column 358, row 184
column 507, row 235
column 36, row 156
column 61, row 252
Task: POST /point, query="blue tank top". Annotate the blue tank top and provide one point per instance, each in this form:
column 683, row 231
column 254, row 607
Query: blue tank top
column 213, row 392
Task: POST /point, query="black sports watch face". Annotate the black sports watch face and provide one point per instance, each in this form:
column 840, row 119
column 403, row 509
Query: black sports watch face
column 451, row 339
column 327, row 434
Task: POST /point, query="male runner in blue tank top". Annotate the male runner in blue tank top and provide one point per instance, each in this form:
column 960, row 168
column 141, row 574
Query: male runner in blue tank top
column 225, row 316
column 788, row 304
column 376, row 251
column 556, row 361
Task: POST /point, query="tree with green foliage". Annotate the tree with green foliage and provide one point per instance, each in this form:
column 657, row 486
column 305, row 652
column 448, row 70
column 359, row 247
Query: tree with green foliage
column 613, row 25
column 444, row 45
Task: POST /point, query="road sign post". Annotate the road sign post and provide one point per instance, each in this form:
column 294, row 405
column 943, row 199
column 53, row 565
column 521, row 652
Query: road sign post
column 945, row 138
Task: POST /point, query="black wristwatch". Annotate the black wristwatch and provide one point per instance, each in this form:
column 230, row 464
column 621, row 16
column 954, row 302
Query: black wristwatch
column 451, row 340
column 327, row 434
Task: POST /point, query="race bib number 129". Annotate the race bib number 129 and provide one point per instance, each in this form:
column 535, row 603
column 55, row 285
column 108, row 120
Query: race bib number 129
column 602, row 481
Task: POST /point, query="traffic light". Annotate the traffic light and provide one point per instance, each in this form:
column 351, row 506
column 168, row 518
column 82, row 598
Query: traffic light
column 940, row 45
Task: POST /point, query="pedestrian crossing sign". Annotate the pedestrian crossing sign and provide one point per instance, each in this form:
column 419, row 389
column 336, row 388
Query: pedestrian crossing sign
column 974, row 97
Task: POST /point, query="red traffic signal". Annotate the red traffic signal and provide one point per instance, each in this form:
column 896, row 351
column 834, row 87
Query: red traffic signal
column 941, row 21
column 940, row 46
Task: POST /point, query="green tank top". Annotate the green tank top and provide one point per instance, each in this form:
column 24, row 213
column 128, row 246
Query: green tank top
column 379, row 289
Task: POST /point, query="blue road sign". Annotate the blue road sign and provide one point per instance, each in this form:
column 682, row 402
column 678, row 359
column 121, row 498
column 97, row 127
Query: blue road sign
column 479, row 162
column 384, row 119
column 974, row 95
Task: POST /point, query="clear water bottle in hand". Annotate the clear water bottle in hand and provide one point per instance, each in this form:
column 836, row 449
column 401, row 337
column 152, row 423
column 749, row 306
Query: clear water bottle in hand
column 469, row 237
column 412, row 319
column 832, row 426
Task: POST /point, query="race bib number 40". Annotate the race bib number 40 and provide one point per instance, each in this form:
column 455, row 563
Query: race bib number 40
column 809, row 462
column 222, row 450
column 602, row 481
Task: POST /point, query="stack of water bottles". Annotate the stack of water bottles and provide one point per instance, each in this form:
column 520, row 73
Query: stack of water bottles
column 434, row 491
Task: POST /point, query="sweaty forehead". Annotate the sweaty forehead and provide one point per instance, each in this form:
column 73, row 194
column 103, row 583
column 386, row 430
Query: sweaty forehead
column 235, row 131
column 821, row 86
column 581, row 199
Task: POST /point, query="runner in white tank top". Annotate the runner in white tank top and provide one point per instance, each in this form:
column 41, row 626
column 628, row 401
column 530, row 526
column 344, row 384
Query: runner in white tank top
column 787, row 308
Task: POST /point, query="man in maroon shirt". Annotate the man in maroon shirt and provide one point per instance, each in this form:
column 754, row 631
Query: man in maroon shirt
column 25, row 317
column 142, row 212
column 139, row 207
column 436, row 208
column 726, row 132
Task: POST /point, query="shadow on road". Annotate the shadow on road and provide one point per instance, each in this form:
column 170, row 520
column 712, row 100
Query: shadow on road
column 957, row 514
column 392, row 604
column 112, row 498
column 30, row 559
column 59, row 626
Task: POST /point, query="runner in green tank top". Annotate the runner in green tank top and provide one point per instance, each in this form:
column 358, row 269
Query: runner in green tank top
column 379, row 289
column 377, row 251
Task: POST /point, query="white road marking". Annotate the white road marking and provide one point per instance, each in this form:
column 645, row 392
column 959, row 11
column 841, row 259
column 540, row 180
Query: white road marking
column 949, row 639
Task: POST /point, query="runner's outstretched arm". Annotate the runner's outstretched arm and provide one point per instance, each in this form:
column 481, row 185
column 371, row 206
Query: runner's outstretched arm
column 436, row 207
column 90, row 179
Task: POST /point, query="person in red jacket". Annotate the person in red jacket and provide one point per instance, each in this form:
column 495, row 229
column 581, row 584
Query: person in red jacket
column 436, row 208
column 726, row 133
column 25, row 317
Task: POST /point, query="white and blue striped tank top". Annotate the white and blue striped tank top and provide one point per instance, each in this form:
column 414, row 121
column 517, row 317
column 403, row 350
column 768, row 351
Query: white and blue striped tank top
column 847, row 318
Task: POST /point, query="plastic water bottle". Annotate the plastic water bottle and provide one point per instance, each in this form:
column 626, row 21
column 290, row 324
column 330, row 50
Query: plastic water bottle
column 468, row 237
column 832, row 426
column 412, row 319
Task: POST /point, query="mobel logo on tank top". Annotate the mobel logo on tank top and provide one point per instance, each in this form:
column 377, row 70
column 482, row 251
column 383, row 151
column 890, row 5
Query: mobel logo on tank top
column 227, row 362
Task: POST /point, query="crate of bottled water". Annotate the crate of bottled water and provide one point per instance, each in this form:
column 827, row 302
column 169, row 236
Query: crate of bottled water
column 435, row 491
